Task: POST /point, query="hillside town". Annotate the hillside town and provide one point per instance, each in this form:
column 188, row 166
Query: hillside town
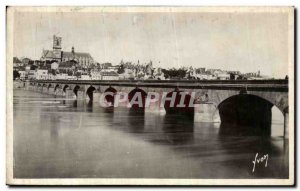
column 57, row 64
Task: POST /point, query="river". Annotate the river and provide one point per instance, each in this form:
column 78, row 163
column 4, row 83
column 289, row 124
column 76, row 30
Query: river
column 59, row 138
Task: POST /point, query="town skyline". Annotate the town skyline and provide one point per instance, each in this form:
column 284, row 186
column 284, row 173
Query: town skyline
column 173, row 41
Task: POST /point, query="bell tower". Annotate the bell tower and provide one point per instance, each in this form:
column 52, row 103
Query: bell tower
column 57, row 47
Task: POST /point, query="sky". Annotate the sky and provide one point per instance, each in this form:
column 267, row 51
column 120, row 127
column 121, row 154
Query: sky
column 246, row 42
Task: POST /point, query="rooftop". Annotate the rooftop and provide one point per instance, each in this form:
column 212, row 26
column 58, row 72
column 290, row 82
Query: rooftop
column 50, row 54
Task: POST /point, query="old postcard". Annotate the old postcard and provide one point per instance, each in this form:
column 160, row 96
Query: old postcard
column 150, row 96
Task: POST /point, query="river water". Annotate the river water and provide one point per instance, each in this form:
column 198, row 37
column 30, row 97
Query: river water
column 58, row 138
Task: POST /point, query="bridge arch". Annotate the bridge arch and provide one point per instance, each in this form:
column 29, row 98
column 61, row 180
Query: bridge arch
column 279, row 99
column 182, row 103
column 90, row 92
column 40, row 87
column 110, row 98
column 246, row 113
column 76, row 89
column 57, row 86
column 134, row 96
column 65, row 88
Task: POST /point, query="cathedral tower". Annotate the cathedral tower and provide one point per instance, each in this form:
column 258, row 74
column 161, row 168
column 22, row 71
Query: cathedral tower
column 57, row 47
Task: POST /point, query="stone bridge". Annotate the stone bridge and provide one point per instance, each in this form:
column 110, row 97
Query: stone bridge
column 239, row 102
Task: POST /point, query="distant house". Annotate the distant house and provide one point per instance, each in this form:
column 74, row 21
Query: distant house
column 128, row 74
column 33, row 67
column 149, row 68
column 160, row 76
column 200, row 70
column 41, row 74
column 61, row 76
column 106, row 65
column 109, row 76
column 51, row 76
column 214, row 71
column 31, row 74
column 223, row 76
column 22, row 74
column 27, row 68
column 85, row 77
column 71, row 77
column 234, row 72
column 68, row 66
column 205, row 77
column 96, row 75
column 38, row 62
column 54, row 66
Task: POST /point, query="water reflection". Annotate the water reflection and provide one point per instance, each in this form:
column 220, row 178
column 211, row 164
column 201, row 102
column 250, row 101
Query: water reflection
column 136, row 120
column 74, row 103
column 244, row 130
column 89, row 106
column 178, row 129
column 54, row 132
column 108, row 110
column 247, row 148
column 77, row 139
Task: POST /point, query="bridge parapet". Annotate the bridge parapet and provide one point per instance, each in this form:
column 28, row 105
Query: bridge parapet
column 250, row 85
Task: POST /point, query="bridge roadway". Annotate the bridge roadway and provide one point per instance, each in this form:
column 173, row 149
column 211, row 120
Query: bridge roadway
column 255, row 85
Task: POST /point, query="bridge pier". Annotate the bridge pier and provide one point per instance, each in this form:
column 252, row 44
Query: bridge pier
column 51, row 91
column 29, row 87
column 59, row 92
column 89, row 92
column 45, row 90
column 286, row 125
column 69, row 94
column 33, row 88
column 27, row 84
column 80, row 95
column 184, row 107
column 96, row 96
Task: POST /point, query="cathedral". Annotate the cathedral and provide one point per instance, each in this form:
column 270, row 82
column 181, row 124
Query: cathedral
column 82, row 58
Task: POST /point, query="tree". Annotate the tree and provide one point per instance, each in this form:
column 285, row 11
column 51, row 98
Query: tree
column 232, row 76
column 174, row 73
column 70, row 72
column 16, row 74
column 121, row 69
column 77, row 74
column 53, row 72
column 30, row 62
column 166, row 75
column 286, row 77
column 33, row 67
